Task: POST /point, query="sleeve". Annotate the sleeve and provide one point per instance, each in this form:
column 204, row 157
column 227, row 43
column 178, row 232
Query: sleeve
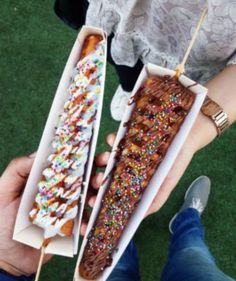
column 232, row 59
column 5, row 276
column 72, row 12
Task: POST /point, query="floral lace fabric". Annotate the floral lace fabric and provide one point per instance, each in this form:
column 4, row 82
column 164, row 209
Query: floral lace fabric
column 159, row 31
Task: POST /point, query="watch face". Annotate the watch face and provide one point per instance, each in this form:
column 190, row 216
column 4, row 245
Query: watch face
column 210, row 108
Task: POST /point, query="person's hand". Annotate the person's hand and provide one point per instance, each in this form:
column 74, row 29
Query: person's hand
column 202, row 133
column 166, row 188
column 15, row 258
column 193, row 143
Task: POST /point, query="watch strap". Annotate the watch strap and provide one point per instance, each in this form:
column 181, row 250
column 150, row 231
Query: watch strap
column 216, row 113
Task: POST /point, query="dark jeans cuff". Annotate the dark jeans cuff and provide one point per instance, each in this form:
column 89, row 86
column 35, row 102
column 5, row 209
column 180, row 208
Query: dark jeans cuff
column 5, row 276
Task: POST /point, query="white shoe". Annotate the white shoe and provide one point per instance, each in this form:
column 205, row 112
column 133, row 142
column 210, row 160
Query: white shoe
column 119, row 103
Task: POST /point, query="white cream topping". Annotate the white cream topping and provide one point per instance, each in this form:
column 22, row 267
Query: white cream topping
column 60, row 187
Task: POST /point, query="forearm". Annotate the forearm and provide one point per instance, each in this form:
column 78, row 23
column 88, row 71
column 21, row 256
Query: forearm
column 222, row 89
column 10, row 268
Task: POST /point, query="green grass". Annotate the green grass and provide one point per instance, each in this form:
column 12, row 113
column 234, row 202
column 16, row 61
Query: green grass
column 34, row 46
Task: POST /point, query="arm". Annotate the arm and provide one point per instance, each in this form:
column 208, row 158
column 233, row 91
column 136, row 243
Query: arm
column 221, row 89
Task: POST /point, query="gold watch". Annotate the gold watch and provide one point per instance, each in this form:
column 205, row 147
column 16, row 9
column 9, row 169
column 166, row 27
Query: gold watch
column 216, row 113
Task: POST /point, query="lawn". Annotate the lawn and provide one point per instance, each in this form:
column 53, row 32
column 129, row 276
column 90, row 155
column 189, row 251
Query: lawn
column 34, row 46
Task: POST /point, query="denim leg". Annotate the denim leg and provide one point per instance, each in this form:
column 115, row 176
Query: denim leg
column 127, row 269
column 4, row 276
column 188, row 232
column 189, row 258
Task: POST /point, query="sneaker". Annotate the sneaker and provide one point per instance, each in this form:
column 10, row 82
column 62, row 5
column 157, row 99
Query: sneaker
column 119, row 103
column 196, row 197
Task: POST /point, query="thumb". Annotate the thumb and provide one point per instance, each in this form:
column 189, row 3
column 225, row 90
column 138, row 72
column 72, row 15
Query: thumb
column 13, row 179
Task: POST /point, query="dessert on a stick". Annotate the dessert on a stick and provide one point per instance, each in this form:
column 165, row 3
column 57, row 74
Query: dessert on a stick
column 56, row 203
column 161, row 106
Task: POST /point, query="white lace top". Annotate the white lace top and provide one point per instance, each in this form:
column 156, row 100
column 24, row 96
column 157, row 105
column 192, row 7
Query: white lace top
column 159, row 31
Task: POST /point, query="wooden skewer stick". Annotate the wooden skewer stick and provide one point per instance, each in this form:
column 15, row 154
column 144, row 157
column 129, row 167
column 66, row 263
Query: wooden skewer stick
column 180, row 69
column 43, row 248
column 40, row 263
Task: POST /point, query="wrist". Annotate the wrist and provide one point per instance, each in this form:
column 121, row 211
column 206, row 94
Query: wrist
column 204, row 130
column 202, row 133
column 223, row 92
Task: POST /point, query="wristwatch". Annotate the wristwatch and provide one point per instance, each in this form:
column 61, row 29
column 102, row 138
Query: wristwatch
column 216, row 113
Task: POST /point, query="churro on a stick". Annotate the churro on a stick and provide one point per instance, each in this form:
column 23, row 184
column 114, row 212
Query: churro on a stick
column 161, row 105
column 57, row 201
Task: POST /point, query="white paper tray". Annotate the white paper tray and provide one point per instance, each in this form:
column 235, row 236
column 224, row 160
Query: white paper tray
column 25, row 231
column 159, row 175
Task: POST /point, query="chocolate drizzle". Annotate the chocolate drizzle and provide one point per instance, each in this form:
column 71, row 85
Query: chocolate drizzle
column 161, row 106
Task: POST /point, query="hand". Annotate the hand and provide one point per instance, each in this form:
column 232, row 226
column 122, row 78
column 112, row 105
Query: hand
column 168, row 185
column 193, row 143
column 15, row 258
column 202, row 133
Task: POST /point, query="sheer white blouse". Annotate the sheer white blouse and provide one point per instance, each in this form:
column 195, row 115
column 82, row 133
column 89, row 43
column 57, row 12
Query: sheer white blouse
column 159, row 31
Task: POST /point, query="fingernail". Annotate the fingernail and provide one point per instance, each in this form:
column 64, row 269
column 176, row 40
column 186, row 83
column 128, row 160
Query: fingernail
column 32, row 155
column 107, row 154
column 83, row 229
column 100, row 177
column 92, row 202
column 111, row 139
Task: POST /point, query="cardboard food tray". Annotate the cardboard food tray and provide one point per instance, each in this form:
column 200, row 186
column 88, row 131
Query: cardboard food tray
column 25, row 231
column 159, row 175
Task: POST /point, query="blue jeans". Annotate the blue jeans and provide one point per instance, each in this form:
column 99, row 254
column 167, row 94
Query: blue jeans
column 189, row 258
column 127, row 268
column 4, row 276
